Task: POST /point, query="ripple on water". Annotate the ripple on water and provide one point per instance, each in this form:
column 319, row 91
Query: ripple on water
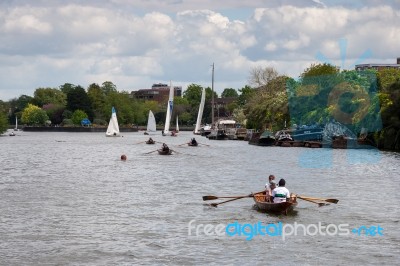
column 68, row 199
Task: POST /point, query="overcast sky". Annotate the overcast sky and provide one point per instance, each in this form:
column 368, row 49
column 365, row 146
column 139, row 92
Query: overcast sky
column 135, row 43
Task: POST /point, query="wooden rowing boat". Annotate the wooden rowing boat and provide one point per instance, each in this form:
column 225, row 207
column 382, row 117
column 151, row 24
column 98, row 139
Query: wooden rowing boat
column 164, row 152
column 193, row 144
column 277, row 208
column 150, row 142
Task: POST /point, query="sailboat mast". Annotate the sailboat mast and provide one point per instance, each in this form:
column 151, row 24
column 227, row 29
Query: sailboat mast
column 212, row 97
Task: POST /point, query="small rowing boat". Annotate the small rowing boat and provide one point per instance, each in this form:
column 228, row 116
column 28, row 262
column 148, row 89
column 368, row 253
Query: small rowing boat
column 150, row 142
column 164, row 152
column 277, row 208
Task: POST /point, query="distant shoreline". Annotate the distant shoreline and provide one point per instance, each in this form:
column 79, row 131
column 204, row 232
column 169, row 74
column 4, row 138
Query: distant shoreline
column 91, row 129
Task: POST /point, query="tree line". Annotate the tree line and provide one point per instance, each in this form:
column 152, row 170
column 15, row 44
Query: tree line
column 362, row 100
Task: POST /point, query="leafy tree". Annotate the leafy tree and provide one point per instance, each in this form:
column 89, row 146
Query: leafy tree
column 3, row 123
column 320, row 70
column 77, row 98
column 44, row 96
column 77, row 116
column 185, row 118
column 268, row 106
column 239, row 116
column 98, row 100
column 108, row 87
column 193, row 94
column 229, row 92
column 34, row 115
column 128, row 110
column 54, row 112
column 67, row 88
column 245, row 93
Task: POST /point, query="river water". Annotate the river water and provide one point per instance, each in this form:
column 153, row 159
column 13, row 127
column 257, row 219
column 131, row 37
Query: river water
column 68, row 199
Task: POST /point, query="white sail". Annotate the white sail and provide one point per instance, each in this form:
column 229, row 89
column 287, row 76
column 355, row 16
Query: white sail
column 151, row 123
column 113, row 128
column 177, row 125
column 200, row 113
column 16, row 123
column 169, row 109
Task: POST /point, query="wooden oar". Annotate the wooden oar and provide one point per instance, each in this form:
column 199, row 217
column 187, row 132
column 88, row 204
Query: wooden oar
column 319, row 203
column 140, row 142
column 203, row 144
column 183, row 144
column 224, row 197
column 150, row 152
column 240, row 197
column 310, row 198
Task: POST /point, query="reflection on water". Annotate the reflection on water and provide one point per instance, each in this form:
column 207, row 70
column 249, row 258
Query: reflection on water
column 67, row 198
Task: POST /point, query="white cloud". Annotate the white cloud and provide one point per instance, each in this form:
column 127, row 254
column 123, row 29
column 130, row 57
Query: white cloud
column 136, row 43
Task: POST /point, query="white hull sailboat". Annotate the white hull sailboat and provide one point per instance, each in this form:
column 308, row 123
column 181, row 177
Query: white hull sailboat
column 16, row 124
column 200, row 113
column 169, row 110
column 151, row 124
column 113, row 128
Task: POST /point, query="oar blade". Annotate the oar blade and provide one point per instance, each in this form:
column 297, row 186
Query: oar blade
column 209, row 198
column 332, row 200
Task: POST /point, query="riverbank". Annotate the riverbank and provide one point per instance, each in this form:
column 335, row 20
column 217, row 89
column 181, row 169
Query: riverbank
column 92, row 129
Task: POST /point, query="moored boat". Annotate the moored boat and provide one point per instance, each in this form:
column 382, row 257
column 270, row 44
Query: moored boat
column 277, row 208
column 264, row 139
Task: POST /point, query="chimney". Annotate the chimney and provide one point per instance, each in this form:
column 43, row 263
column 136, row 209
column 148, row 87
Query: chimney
column 398, row 60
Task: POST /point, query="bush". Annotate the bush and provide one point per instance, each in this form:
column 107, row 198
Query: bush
column 67, row 122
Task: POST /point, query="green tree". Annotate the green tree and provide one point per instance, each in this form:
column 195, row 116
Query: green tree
column 129, row 111
column 98, row 100
column 108, row 87
column 3, row 123
column 78, row 116
column 245, row 93
column 67, row 87
column 229, row 92
column 44, row 96
column 193, row 94
column 54, row 112
column 77, row 98
column 268, row 106
column 34, row 115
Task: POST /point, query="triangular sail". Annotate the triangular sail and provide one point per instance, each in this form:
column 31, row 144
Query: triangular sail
column 113, row 128
column 151, row 123
column 169, row 109
column 16, row 123
column 177, row 125
column 200, row 113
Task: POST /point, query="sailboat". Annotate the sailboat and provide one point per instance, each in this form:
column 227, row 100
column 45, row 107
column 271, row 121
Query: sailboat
column 177, row 125
column 200, row 113
column 113, row 128
column 169, row 110
column 151, row 124
column 16, row 124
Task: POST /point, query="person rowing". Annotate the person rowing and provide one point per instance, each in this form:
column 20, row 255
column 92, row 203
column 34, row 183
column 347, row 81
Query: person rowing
column 281, row 193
